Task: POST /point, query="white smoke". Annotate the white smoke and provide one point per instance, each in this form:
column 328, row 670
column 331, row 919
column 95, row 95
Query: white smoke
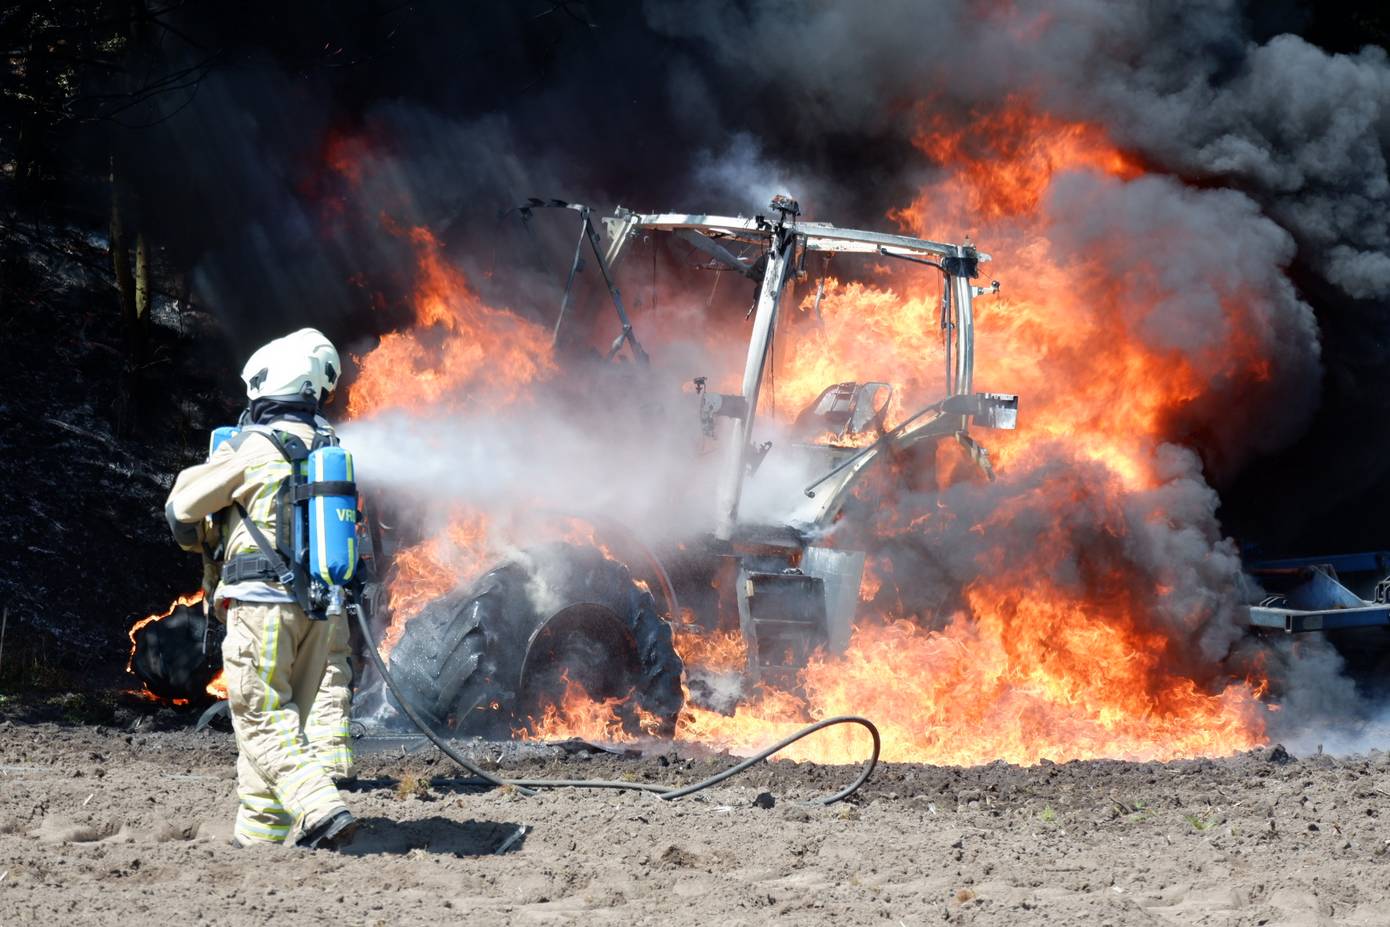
column 1321, row 709
column 740, row 176
column 645, row 465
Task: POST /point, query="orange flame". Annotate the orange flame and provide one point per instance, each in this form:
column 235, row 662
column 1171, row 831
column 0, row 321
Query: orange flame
column 1002, row 163
column 1019, row 666
column 1025, row 669
column 983, row 689
column 715, row 651
column 217, row 688
column 575, row 714
column 461, row 350
column 424, row 572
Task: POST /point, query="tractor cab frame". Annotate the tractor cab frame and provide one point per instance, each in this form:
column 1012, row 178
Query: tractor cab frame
column 796, row 594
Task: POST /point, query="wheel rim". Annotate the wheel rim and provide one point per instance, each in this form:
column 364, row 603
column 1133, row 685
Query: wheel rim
column 587, row 644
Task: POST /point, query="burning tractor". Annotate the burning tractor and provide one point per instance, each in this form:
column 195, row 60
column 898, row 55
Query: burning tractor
column 482, row 659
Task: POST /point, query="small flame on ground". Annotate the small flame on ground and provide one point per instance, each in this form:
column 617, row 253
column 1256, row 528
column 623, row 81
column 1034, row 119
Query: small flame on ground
column 217, row 688
column 577, row 714
column 184, row 601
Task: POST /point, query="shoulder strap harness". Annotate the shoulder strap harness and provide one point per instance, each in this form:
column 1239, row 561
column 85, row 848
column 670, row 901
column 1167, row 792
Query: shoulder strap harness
column 285, row 560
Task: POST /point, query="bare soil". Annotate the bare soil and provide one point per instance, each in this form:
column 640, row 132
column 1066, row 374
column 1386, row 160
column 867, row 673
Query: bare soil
column 107, row 825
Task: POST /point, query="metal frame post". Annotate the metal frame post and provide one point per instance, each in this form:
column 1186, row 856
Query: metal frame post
column 964, row 296
column 575, row 266
column 626, row 335
column 588, row 233
column 764, row 329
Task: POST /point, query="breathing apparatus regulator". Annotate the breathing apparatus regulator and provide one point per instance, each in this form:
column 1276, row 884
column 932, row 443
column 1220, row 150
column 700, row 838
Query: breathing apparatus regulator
column 315, row 551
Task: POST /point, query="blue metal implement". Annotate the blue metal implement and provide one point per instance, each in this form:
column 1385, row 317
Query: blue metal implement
column 1310, row 595
column 1294, row 621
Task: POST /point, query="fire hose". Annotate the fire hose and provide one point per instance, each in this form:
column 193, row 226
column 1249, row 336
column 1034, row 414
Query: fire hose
column 665, row 792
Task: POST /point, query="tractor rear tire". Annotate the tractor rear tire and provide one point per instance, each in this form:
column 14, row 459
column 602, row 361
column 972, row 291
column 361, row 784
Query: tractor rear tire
column 463, row 661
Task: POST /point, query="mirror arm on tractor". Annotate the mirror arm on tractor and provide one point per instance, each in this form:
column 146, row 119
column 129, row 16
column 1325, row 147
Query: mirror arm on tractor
column 588, row 233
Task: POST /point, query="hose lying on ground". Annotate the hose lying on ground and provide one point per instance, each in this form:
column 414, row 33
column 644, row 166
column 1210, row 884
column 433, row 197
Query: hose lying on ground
column 667, row 792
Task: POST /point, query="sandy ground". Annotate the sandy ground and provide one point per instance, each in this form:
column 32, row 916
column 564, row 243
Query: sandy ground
column 113, row 826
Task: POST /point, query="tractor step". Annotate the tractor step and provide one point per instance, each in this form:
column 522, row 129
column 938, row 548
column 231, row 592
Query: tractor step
column 783, row 620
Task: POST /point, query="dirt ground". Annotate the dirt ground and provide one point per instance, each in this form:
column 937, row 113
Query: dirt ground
column 103, row 825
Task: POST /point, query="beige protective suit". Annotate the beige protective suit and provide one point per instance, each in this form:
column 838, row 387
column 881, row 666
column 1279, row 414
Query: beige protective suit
column 288, row 677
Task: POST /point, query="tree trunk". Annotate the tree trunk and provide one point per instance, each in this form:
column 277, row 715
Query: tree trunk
column 120, row 251
column 142, row 294
column 134, row 290
column 130, row 252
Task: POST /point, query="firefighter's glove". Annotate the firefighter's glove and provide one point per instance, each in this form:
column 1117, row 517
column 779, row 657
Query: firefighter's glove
column 187, row 535
column 212, row 575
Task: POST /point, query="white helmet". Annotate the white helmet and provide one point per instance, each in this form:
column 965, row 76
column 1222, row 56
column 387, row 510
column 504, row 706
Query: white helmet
column 300, row 367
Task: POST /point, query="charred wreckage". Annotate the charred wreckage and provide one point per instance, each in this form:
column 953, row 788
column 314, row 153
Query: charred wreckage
column 482, row 659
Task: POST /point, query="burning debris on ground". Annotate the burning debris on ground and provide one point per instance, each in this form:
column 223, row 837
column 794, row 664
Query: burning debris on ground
column 993, row 377
column 170, row 652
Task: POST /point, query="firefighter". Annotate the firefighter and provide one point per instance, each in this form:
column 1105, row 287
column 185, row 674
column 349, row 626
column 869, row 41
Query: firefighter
column 287, row 673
